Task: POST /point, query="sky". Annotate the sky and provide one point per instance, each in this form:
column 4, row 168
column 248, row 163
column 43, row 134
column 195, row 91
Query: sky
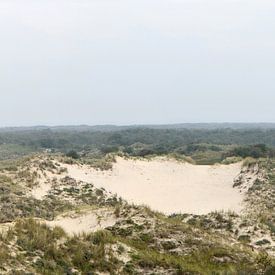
column 69, row 62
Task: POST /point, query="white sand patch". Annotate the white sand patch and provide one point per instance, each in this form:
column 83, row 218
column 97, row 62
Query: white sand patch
column 85, row 222
column 4, row 227
column 41, row 190
column 44, row 185
column 167, row 185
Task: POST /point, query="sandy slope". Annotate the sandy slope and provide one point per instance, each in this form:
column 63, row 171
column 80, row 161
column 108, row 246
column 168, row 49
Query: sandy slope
column 41, row 190
column 90, row 221
column 167, row 185
column 44, row 184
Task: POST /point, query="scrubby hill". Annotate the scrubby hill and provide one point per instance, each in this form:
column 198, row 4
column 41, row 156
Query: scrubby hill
column 44, row 209
column 204, row 145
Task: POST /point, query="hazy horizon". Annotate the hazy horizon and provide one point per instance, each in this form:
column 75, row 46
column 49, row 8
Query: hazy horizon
column 135, row 124
column 122, row 62
column 214, row 125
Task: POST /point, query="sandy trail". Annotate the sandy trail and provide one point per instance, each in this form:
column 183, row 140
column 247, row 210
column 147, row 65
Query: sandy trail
column 167, row 185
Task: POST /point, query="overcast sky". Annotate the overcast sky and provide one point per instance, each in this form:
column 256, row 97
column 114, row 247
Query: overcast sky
column 136, row 61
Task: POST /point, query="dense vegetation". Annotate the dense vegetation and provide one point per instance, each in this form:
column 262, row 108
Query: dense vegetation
column 203, row 145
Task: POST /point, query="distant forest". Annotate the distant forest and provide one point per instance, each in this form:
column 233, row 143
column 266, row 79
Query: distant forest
column 141, row 141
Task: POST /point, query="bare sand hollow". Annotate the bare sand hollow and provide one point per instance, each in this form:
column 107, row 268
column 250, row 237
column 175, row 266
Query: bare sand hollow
column 167, row 185
column 90, row 221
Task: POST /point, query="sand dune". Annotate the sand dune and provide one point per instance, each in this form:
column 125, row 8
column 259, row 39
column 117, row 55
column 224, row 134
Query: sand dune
column 167, row 185
column 90, row 221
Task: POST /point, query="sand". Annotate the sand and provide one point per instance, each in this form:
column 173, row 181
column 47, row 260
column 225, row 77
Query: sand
column 40, row 191
column 90, row 221
column 44, row 185
column 168, row 186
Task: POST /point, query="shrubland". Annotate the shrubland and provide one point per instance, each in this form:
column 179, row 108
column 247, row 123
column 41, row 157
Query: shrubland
column 141, row 241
